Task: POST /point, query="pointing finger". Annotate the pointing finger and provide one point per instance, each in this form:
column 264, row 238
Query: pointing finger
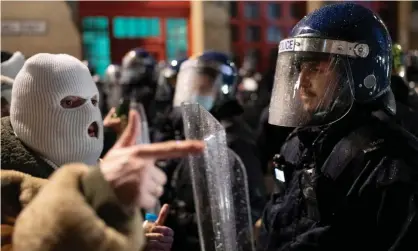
column 169, row 150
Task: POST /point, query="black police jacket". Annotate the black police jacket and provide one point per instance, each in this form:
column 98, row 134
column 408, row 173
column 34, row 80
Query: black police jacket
column 241, row 140
column 349, row 186
column 270, row 139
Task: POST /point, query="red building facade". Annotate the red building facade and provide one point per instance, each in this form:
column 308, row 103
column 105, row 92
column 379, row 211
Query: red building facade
column 111, row 28
column 259, row 26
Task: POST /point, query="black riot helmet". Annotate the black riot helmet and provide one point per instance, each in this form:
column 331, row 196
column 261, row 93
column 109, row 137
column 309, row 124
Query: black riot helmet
column 112, row 88
column 138, row 68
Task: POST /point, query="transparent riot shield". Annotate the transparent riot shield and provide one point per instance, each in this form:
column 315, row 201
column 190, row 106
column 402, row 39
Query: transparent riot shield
column 220, row 186
column 144, row 136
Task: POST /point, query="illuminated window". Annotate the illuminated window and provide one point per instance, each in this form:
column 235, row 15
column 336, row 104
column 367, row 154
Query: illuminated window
column 176, row 39
column 135, row 27
column 96, row 43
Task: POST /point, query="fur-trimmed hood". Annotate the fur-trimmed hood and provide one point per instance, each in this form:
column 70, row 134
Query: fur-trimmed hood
column 6, row 88
column 16, row 156
column 75, row 209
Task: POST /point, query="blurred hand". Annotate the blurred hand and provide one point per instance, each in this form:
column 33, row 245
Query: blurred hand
column 159, row 237
column 113, row 122
column 130, row 169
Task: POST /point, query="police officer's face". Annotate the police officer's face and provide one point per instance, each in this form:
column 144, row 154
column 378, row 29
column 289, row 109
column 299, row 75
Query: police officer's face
column 204, row 85
column 317, row 85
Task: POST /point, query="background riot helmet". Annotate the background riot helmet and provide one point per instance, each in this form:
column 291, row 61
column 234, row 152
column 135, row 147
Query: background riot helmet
column 206, row 79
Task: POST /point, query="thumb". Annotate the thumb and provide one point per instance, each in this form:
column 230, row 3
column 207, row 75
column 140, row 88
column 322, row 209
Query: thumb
column 162, row 215
column 131, row 132
column 109, row 115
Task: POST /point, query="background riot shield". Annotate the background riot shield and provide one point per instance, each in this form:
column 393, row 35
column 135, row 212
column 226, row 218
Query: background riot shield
column 220, row 186
column 144, row 136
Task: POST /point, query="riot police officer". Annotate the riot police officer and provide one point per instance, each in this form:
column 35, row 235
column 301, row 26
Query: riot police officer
column 164, row 97
column 166, row 85
column 210, row 80
column 249, row 90
column 112, row 88
column 249, row 80
column 138, row 78
column 346, row 171
column 136, row 82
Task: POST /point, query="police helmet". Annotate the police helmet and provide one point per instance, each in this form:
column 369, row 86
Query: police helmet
column 206, row 79
column 112, row 74
column 169, row 72
column 138, row 67
column 335, row 56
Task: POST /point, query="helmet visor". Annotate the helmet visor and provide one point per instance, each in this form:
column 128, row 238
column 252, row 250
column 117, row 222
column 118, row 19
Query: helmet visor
column 196, row 83
column 311, row 87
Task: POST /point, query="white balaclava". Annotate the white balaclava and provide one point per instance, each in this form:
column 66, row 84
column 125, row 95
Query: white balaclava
column 12, row 66
column 39, row 119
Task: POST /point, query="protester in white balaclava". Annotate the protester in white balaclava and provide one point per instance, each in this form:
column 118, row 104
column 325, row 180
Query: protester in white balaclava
column 11, row 63
column 54, row 109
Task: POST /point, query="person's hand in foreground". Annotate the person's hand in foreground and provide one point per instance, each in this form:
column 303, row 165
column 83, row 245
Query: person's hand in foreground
column 130, row 169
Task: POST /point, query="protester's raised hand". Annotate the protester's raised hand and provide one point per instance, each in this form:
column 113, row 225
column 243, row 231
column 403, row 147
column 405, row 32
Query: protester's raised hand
column 130, row 169
column 159, row 237
column 113, row 122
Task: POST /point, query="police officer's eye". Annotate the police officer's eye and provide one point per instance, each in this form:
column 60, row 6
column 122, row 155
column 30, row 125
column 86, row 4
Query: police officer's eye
column 72, row 102
column 311, row 67
column 314, row 69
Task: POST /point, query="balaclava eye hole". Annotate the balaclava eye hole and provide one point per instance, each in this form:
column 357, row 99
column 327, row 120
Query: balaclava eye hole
column 70, row 102
column 95, row 100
